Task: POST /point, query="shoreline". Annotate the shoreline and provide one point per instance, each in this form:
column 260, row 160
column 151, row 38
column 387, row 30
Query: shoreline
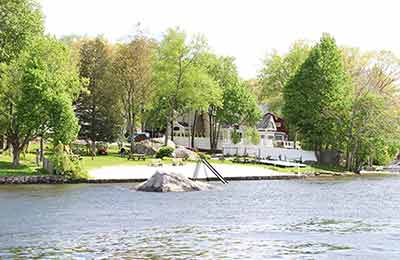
column 140, row 173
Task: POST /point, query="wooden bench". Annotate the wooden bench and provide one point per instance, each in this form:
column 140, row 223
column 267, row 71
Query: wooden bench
column 156, row 163
column 136, row 156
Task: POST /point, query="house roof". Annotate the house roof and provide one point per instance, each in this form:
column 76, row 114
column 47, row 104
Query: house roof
column 267, row 122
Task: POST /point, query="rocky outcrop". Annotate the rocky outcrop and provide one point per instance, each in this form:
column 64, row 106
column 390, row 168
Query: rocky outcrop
column 171, row 182
column 38, row 179
column 184, row 153
column 145, row 147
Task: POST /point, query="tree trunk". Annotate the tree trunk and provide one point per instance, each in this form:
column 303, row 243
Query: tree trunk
column 210, row 119
column 16, row 154
column 167, row 131
column 2, row 142
column 93, row 148
column 172, row 130
column 132, row 131
column 41, row 150
column 193, row 130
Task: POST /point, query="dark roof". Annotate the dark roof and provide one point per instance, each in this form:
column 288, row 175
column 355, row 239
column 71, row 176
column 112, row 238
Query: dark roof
column 263, row 124
column 184, row 124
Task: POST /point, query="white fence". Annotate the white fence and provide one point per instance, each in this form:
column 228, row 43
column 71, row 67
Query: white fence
column 202, row 143
column 273, row 153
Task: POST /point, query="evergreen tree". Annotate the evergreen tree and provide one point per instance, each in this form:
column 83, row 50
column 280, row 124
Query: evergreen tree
column 97, row 108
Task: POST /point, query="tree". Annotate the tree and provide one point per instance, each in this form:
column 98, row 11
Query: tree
column 38, row 88
column 98, row 108
column 277, row 71
column 319, row 95
column 373, row 126
column 133, row 75
column 239, row 106
column 177, row 70
column 20, row 22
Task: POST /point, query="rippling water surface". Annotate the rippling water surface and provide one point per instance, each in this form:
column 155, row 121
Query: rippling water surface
column 299, row 219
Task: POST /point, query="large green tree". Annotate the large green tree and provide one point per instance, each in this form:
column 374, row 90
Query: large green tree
column 238, row 106
column 132, row 68
column 319, row 95
column 38, row 88
column 276, row 72
column 98, row 108
column 177, row 70
column 372, row 126
column 20, row 22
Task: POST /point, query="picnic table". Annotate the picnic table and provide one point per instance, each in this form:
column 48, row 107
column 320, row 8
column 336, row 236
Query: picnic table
column 136, row 156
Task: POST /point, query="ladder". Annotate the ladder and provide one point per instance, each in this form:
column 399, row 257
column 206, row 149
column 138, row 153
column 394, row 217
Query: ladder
column 212, row 169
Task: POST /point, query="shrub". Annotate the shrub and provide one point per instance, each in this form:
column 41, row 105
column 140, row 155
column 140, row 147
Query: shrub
column 204, row 156
column 235, row 137
column 164, row 151
column 67, row 165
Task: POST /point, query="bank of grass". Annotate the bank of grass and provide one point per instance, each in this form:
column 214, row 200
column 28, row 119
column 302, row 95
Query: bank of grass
column 113, row 159
column 308, row 169
column 27, row 167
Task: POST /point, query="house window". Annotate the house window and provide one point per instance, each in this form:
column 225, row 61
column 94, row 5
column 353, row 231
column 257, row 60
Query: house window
column 278, row 124
column 176, row 128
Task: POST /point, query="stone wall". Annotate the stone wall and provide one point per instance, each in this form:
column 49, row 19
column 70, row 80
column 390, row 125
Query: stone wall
column 39, row 179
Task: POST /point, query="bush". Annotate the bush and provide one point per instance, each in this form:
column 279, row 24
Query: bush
column 164, row 151
column 67, row 165
column 204, row 156
column 235, row 137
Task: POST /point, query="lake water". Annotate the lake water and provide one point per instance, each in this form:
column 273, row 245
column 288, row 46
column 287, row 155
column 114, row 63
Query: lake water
column 298, row 219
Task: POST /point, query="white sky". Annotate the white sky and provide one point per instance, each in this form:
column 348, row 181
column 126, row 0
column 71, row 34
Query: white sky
column 246, row 30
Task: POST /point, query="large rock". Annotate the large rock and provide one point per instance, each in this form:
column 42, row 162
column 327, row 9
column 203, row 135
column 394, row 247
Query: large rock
column 158, row 142
column 184, row 153
column 145, row 147
column 170, row 182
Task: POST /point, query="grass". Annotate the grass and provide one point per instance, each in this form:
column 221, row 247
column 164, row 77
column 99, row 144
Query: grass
column 113, row 159
column 27, row 167
column 307, row 169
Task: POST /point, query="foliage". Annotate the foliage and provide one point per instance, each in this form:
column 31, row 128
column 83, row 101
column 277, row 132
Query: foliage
column 164, row 151
column 373, row 126
column 238, row 107
column 178, row 74
column 20, row 22
column 204, row 156
column 66, row 164
column 319, row 96
column 38, row 89
column 277, row 70
column 98, row 108
column 132, row 75
column 252, row 136
column 235, row 137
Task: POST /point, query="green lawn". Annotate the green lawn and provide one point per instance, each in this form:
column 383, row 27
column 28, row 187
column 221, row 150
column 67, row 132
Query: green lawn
column 28, row 166
column 113, row 159
column 307, row 169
